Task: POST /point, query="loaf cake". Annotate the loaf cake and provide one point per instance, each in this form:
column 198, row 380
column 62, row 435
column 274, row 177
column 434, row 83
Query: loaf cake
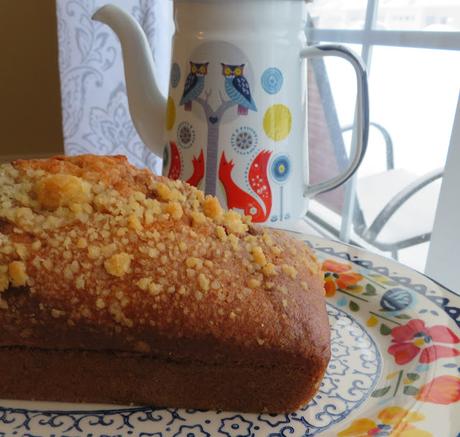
column 119, row 286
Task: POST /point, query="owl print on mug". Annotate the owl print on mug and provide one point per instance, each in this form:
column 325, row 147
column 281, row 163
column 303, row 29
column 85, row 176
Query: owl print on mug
column 237, row 88
column 194, row 85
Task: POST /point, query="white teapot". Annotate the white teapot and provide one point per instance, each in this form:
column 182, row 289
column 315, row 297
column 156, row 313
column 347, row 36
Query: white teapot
column 235, row 121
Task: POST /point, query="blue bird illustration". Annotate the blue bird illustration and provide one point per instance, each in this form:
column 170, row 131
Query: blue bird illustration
column 194, row 84
column 237, row 88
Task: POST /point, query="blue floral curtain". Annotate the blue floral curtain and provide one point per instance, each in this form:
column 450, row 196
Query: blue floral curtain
column 95, row 111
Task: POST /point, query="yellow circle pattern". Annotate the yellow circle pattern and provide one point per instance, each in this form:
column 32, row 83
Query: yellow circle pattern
column 170, row 113
column 278, row 122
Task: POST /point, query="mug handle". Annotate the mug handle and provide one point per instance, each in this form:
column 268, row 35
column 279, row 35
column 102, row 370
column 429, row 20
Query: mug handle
column 362, row 112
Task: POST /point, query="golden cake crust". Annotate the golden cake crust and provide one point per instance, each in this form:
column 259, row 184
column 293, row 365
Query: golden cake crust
column 96, row 254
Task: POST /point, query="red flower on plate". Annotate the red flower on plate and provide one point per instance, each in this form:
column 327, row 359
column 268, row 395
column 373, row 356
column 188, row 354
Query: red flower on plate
column 338, row 275
column 442, row 390
column 432, row 343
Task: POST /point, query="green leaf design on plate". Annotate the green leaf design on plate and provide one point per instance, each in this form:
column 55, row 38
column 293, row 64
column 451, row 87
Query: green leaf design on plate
column 354, row 306
column 370, row 290
column 384, row 329
column 410, row 390
column 413, row 376
column 403, row 316
column 381, row 392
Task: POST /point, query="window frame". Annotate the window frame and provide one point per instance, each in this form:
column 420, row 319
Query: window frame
column 368, row 38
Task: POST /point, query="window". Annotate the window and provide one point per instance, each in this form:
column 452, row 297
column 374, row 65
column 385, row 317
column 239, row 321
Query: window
column 412, row 51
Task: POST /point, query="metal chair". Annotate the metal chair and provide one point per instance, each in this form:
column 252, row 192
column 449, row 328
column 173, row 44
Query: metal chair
column 395, row 208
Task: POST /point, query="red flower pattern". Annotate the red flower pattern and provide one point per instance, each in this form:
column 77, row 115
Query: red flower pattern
column 413, row 338
column 442, row 390
column 338, row 275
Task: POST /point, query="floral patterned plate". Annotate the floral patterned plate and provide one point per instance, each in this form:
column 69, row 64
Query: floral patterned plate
column 395, row 369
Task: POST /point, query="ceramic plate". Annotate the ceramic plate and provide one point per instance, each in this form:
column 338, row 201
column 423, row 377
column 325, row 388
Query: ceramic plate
column 395, row 369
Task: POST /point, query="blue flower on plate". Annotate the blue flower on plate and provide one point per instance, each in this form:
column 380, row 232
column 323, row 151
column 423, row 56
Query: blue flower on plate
column 235, row 426
column 281, row 168
column 191, row 431
column 397, row 299
column 175, row 75
column 272, row 80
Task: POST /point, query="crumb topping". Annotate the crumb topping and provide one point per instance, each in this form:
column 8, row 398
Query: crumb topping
column 17, row 273
column 4, row 279
column 269, row 269
column 289, row 270
column 259, row 256
column 203, row 281
column 59, row 190
column 128, row 248
column 212, row 208
column 118, row 264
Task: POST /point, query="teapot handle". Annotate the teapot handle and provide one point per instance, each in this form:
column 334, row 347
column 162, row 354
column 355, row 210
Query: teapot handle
column 362, row 113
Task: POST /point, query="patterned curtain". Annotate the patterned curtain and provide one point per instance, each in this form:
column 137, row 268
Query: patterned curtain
column 95, row 111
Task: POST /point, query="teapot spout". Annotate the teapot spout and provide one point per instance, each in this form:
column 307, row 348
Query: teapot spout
column 146, row 104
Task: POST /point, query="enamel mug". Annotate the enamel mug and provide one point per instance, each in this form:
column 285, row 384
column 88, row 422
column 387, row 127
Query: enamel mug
column 234, row 123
